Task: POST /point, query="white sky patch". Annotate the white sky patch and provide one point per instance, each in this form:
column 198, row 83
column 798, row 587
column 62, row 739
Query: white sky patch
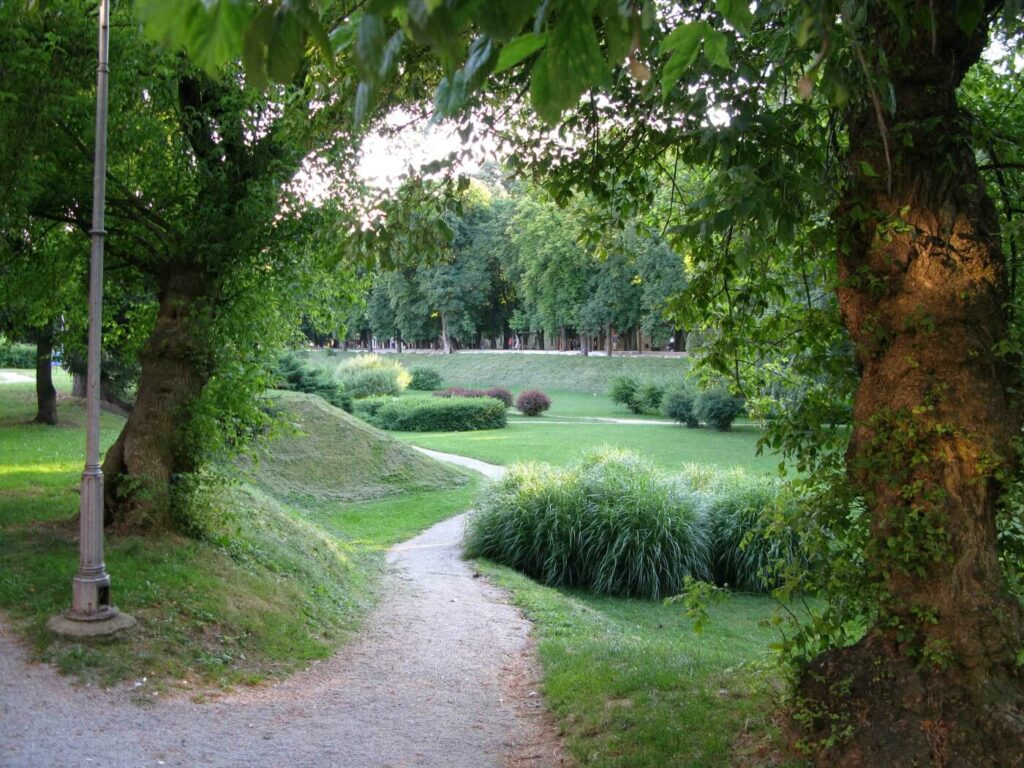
column 408, row 144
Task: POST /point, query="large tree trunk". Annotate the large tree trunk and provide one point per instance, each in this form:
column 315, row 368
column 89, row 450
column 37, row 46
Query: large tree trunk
column 46, row 393
column 139, row 467
column 923, row 289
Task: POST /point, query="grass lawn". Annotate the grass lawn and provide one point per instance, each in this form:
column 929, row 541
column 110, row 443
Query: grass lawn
column 633, row 686
column 513, row 370
column 271, row 578
column 542, row 440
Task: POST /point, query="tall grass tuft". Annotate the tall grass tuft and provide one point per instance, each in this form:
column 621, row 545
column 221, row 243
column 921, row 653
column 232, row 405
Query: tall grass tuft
column 372, row 376
column 747, row 554
column 610, row 523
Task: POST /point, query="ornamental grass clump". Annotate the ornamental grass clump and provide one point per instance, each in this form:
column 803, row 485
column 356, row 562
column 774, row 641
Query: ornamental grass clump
column 532, row 402
column 611, row 523
column 372, row 375
column 748, row 553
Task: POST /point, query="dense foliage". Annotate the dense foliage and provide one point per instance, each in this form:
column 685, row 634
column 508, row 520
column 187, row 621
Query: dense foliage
column 679, row 404
column 296, row 374
column 434, row 414
column 718, row 408
column 16, row 355
column 424, row 379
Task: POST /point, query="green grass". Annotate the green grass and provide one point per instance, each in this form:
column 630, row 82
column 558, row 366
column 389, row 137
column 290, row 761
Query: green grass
column 280, row 570
column 633, row 686
column 667, row 446
column 513, row 370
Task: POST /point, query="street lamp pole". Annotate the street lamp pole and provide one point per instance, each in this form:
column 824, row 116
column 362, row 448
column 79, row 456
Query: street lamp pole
column 92, row 612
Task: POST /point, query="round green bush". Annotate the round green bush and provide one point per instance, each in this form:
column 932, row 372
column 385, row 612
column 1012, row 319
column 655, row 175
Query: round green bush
column 424, row 379
column 611, row 523
column 718, row 409
column 532, row 402
column 623, row 390
column 436, row 414
column 679, row 405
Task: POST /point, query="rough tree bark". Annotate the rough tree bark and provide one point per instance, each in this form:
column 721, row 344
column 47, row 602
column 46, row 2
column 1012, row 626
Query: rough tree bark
column 139, row 466
column 46, row 393
column 923, row 295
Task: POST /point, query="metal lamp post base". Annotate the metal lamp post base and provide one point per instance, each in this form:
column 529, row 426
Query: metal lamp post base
column 91, row 614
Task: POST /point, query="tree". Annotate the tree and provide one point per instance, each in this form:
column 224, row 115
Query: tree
column 922, row 289
column 206, row 218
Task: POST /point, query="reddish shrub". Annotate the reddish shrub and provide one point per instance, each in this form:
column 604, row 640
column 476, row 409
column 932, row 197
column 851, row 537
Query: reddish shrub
column 500, row 393
column 532, row 402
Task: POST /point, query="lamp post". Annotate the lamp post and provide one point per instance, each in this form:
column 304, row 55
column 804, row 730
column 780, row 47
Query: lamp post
column 91, row 611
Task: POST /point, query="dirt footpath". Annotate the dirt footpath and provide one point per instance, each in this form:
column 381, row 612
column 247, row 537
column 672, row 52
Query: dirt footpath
column 443, row 675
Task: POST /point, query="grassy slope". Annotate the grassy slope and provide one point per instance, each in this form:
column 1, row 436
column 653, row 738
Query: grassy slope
column 572, row 373
column 263, row 589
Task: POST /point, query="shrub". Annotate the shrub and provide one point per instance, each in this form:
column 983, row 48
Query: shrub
column 367, row 408
column 679, row 404
column 746, row 553
column 295, row 374
column 649, row 398
column 532, row 402
column 610, row 523
column 15, row 355
column 500, row 393
column 623, row 391
column 424, row 379
column 370, row 375
column 638, row 397
column 718, row 409
column 432, row 414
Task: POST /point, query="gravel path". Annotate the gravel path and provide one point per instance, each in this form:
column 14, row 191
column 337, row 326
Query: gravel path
column 443, row 675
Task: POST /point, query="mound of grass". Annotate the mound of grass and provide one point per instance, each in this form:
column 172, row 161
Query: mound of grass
column 328, row 456
column 611, row 524
column 516, row 370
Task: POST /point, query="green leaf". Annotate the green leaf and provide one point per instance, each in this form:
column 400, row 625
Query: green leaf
column 572, row 61
column 684, row 42
column 506, row 19
column 255, row 40
column 715, row 45
column 737, row 13
column 518, row 49
column 867, row 169
column 287, row 43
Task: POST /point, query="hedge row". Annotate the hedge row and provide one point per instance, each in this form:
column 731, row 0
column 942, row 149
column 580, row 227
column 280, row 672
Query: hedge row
column 498, row 393
column 435, row 414
column 17, row 355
